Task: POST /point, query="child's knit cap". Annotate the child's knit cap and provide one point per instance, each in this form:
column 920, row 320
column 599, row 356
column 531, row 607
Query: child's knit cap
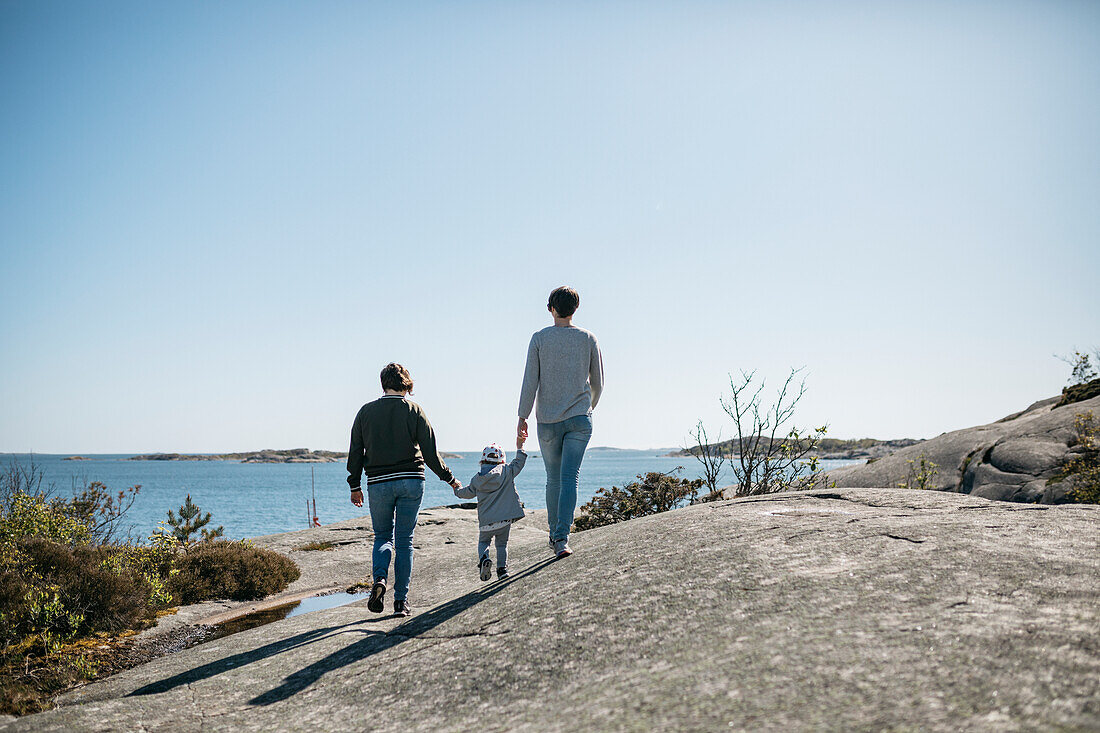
column 492, row 454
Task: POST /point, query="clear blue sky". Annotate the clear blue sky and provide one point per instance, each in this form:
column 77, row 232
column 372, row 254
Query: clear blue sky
column 218, row 221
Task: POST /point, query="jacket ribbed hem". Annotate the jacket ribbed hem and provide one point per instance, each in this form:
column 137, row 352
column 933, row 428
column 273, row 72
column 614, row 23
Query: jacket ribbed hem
column 400, row 476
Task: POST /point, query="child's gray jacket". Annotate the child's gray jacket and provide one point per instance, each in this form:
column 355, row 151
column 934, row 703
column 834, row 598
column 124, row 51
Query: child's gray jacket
column 494, row 488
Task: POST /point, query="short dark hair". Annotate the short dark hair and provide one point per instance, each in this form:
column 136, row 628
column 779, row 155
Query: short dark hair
column 565, row 301
column 397, row 378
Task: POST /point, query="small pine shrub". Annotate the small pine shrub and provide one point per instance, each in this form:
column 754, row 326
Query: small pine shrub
column 235, row 571
column 652, row 493
column 192, row 521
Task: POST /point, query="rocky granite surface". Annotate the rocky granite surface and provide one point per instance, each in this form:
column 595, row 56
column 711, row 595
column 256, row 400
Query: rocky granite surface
column 1012, row 459
column 853, row 609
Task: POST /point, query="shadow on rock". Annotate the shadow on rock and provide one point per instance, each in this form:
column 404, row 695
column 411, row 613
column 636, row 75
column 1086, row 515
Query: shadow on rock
column 239, row 660
column 373, row 643
column 376, row 642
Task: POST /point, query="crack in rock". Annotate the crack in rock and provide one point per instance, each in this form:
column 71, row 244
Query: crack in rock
column 802, row 534
column 900, row 537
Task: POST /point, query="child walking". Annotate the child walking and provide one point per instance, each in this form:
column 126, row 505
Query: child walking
column 498, row 505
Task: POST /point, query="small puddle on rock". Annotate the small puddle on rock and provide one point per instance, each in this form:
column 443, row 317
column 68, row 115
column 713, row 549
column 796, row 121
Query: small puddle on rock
column 271, row 615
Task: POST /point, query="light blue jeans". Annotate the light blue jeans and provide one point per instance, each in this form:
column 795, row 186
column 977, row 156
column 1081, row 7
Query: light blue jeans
column 563, row 445
column 394, row 506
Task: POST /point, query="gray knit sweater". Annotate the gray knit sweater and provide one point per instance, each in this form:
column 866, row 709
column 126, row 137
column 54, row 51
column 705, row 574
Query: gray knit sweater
column 565, row 371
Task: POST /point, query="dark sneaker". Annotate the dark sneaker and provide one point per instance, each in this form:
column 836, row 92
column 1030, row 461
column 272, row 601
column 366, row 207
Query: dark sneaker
column 502, row 573
column 377, row 597
column 562, row 549
column 485, row 567
column 401, row 608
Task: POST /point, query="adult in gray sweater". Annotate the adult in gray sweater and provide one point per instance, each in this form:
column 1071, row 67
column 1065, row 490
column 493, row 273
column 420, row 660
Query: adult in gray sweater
column 563, row 382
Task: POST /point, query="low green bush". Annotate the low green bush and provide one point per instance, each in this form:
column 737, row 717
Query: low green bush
column 1079, row 393
column 67, row 578
column 1084, row 467
column 235, row 571
column 652, row 493
column 94, row 595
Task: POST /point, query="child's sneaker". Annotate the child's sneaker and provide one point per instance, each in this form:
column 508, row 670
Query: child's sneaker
column 502, row 573
column 485, row 567
column 375, row 604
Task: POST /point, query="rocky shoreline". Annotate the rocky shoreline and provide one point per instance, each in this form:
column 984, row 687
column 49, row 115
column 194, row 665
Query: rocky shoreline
column 831, row 448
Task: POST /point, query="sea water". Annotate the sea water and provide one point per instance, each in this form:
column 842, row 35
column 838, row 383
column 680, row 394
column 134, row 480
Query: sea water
column 253, row 499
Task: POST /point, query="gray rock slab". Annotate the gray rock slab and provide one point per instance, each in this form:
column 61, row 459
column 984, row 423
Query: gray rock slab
column 1027, row 455
column 996, row 460
column 840, row 610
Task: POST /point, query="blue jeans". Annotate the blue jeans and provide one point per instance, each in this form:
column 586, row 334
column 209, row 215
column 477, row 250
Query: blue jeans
column 390, row 501
column 563, row 445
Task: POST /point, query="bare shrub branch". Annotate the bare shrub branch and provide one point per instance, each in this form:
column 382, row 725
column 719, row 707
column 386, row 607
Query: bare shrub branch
column 771, row 450
column 711, row 457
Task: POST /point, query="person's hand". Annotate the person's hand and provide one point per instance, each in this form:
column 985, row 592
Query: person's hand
column 520, row 440
column 357, row 497
column 456, row 484
column 521, row 429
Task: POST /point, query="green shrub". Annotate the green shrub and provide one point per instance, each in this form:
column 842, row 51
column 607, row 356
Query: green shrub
column 1084, row 467
column 230, row 570
column 33, row 515
column 92, row 515
column 1079, row 393
column 653, row 493
column 921, row 474
column 90, row 595
column 65, row 576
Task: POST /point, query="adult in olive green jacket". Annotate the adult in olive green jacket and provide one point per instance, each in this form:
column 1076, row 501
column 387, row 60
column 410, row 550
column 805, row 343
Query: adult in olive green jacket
column 391, row 441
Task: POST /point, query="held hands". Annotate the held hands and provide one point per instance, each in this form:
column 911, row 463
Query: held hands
column 521, row 429
column 456, row 484
column 520, row 440
column 357, row 497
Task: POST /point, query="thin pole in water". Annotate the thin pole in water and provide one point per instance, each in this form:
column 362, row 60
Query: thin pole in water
column 309, row 522
column 313, row 486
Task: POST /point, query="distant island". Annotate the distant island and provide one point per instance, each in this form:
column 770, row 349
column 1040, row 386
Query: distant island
column 76, row 458
column 829, row 448
column 293, row 455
